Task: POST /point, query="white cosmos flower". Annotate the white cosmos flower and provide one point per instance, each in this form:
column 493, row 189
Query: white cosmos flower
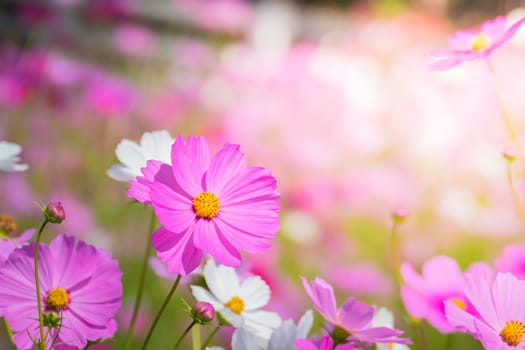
column 384, row 318
column 239, row 303
column 154, row 145
column 283, row 338
column 9, row 157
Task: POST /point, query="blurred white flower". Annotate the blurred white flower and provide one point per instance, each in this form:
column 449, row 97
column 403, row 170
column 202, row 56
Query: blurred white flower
column 154, row 145
column 283, row 338
column 239, row 303
column 384, row 318
column 9, row 157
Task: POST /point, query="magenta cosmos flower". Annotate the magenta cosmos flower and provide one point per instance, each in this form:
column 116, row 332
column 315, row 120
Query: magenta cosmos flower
column 78, row 283
column 215, row 205
column 352, row 322
column 499, row 301
column 468, row 45
column 423, row 295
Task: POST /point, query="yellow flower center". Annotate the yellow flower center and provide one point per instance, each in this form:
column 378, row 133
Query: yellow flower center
column 235, row 304
column 480, row 42
column 458, row 302
column 206, row 205
column 57, row 299
column 512, row 333
column 390, row 345
column 7, row 225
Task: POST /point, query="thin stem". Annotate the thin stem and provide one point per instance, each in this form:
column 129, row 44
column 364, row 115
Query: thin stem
column 504, row 114
column 210, row 337
column 37, row 283
column 448, row 342
column 515, row 197
column 193, row 323
column 396, row 258
column 142, row 279
column 196, row 338
column 161, row 310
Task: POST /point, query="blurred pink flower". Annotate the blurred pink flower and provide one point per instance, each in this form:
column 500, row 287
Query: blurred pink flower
column 142, row 323
column 512, row 260
column 499, row 322
column 134, row 40
column 353, row 320
column 365, row 279
column 109, row 97
column 468, row 45
column 423, row 295
column 218, row 15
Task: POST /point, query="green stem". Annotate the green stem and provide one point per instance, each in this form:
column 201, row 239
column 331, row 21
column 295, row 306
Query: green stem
column 210, row 337
column 8, row 330
column 396, row 257
column 193, row 323
column 196, row 338
column 140, row 290
column 161, row 310
column 37, row 283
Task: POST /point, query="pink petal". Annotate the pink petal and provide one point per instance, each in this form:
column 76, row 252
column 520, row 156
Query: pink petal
column 176, row 250
column 190, row 161
column 241, row 239
column 355, row 315
column 208, row 238
column 494, row 28
column 224, row 166
column 322, row 296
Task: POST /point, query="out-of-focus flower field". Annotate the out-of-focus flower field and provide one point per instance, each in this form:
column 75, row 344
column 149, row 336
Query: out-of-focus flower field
column 337, row 101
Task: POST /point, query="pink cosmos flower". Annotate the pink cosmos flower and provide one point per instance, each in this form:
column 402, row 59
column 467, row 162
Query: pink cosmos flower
column 326, row 344
column 215, row 205
column 423, row 295
column 79, row 284
column 468, row 45
column 500, row 323
column 353, row 320
column 513, row 260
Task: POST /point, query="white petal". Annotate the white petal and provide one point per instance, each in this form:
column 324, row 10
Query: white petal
column 202, row 294
column 243, row 340
column 131, row 155
column 261, row 323
column 215, row 348
column 283, row 338
column 383, row 318
column 222, row 281
column 121, row 173
column 255, row 293
column 236, row 320
column 305, row 325
column 8, row 149
column 157, row 145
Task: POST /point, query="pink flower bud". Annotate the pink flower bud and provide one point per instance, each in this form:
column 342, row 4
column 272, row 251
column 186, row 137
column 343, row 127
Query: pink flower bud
column 54, row 213
column 509, row 154
column 399, row 215
column 203, row 312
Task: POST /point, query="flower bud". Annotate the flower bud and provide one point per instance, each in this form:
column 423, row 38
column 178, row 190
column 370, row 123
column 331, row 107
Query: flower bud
column 509, row 154
column 399, row 215
column 55, row 213
column 202, row 312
